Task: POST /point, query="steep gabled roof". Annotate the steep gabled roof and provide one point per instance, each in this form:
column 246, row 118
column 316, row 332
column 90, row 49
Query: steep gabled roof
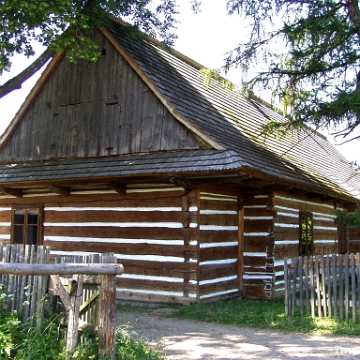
column 236, row 123
column 220, row 117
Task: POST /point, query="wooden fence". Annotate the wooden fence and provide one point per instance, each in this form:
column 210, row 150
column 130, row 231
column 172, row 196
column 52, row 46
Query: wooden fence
column 26, row 293
column 323, row 285
column 17, row 273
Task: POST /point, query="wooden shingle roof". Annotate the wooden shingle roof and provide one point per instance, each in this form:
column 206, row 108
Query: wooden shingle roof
column 186, row 162
column 227, row 122
column 236, row 123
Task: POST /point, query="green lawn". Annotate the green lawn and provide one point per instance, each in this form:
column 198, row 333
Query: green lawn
column 261, row 314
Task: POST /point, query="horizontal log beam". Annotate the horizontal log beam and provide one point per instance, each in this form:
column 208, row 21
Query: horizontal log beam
column 14, row 192
column 61, row 269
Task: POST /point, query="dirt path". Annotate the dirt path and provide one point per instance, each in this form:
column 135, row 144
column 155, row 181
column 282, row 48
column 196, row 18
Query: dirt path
column 189, row 339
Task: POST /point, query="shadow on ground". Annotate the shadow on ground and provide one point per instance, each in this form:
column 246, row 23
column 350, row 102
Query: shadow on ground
column 190, row 339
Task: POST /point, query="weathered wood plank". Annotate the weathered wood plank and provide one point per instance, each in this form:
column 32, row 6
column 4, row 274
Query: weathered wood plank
column 302, row 204
column 222, row 205
column 115, row 232
column 60, row 269
column 253, row 291
column 210, row 236
column 73, row 317
column 207, row 272
column 107, row 314
column 124, row 248
column 219, row 219
column 218, row 287
column 155, row 285
column 105, row 216
column 257, row 225
column 218, row 253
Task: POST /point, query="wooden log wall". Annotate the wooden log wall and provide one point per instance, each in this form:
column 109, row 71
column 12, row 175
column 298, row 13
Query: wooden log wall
column 152, row 231
column 218, row 245
column 354, row 239
column 5, row 224
column 258, row 246
column 286, row 231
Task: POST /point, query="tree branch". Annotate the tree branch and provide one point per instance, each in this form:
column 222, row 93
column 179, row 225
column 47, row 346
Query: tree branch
column 17, row 81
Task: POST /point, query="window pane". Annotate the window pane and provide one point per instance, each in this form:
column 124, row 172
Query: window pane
column 19, row 216
column 25, row 226
column 33, row 217
column 306, row 234
column 18, row 234
column 31, row 235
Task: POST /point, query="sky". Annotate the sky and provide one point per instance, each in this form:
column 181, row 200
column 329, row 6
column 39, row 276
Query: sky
column 205, row 37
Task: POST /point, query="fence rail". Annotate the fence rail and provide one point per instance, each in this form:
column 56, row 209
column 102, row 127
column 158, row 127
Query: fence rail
column 25, row 266
column 323, row 285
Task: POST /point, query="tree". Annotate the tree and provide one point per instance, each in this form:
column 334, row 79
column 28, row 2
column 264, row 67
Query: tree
column 311, row 50
column 67, row 24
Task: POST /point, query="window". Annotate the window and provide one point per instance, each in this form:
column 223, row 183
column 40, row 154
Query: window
column 26, row 227
column 306, row 240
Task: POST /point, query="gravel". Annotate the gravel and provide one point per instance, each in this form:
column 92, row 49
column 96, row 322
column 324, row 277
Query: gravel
column 190, row 339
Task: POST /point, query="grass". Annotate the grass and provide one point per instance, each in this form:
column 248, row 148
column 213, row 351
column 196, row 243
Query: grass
column 260, row 314
column 21, row 341
column 265, row 314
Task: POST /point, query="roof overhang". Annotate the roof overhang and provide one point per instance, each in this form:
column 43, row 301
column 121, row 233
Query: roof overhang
column 223, row 167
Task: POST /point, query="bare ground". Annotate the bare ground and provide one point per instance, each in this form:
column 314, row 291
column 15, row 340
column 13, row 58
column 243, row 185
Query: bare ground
column 190, row 339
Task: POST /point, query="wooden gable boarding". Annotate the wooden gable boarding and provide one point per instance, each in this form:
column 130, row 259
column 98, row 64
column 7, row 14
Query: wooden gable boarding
column 92, row 109
column 121, row 156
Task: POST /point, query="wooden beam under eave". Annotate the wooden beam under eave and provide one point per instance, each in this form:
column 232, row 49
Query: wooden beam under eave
column 14, row 192
column 276, row 187
column 61, row 190
column 255, row 183
column 298, row 192
column 119, row 187
column 327, row 198
column 314, row 195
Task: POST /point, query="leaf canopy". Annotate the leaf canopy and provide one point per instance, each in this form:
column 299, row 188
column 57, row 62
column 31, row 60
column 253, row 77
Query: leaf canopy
column 310, row 52
column 64, row 24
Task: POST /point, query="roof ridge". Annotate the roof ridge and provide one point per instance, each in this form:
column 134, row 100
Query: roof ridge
column 156, row 42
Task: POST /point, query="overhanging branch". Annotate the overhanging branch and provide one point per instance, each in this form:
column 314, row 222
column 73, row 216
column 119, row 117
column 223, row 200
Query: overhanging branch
column 16, row 82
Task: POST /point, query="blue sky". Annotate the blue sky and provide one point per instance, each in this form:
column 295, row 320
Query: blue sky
column 204, row 37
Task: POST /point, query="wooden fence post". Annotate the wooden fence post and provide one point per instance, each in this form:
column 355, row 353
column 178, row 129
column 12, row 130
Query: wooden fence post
column 107, row 313
column 286, row 279
column 73, row 321
column 11, row 270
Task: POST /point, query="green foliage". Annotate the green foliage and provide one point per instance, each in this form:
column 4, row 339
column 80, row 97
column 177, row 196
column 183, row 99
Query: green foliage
column 214, row 74
column 44, row 344
column 311, row 51
column 349, row 219
column 264, row 314
column 8, row 325
column 88, row 349
column 22, row 341
column 67, row 24
column 133, row 348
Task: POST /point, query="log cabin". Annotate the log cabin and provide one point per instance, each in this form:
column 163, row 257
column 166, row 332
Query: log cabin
column 138, row 155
